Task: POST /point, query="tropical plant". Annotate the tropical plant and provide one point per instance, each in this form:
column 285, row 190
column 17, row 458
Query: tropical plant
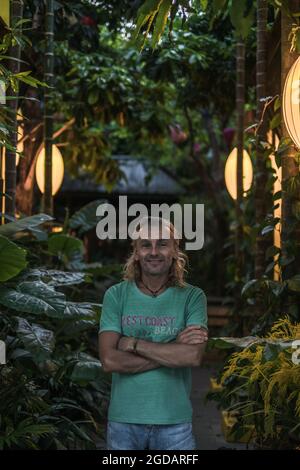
column 261, row 386
column 53, row 392
column 11, row 78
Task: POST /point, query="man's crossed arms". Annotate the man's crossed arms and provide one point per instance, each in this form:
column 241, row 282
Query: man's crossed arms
column 117, row 352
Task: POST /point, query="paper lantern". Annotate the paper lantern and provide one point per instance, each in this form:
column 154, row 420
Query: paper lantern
column 57, row 170
column 230, row 173
column 291, row 102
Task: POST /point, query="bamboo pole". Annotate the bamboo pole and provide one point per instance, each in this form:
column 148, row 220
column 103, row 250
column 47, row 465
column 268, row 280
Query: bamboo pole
column 10, row 155
column 240, row 106
column 48, row 116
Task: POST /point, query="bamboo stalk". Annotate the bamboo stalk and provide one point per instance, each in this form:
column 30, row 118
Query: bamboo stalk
column 240, row 105
column 261, row 176
column 10, row 155
column 48, row 116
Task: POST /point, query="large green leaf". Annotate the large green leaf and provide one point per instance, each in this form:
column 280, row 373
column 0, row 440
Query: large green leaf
column 241, row 19
column 161, row 20
column 145, row 14
column 105, row 270
column 12, row 259
column 87, row 369
column 37, row 340
column 27, row 223
column 74, row 328
column 54, row 277
column 65, row 246
column 227, row 342
column 80, row 310
column 34, row 297
column 85, row 219
column 294, row 283
column 76, row 263
column 41, row 235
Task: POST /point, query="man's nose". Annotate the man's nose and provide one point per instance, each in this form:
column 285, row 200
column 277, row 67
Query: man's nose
column 154, row 249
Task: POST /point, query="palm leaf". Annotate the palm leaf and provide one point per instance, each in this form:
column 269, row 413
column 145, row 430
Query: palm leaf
column 85, row 219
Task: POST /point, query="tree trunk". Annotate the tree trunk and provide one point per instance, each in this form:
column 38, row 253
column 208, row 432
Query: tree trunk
column 240, row 105
column 48, row 117
column 10, row 155
column 288, row 162
column 261, row 175
column 26, row 168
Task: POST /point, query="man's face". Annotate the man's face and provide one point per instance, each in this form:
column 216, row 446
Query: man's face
column 155, row 254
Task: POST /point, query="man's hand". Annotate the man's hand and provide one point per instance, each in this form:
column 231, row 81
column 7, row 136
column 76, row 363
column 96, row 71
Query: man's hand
column 192, row 335
column 126, row 343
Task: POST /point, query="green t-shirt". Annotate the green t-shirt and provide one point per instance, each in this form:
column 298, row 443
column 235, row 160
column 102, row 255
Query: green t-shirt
column 158, row 396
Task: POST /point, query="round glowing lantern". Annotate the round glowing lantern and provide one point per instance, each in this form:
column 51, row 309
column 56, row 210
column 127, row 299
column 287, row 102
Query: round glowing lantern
column 230, row 173
column 291, row 103
column 57, row 170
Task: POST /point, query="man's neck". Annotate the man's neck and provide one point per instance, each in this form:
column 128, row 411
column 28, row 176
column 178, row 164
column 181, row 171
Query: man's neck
column 154, row 282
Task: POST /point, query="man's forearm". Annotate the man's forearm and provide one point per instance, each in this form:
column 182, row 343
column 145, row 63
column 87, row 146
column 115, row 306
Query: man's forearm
column 170, row 354
column 129, row 363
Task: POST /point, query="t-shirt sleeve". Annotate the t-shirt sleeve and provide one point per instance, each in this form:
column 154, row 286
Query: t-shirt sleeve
column 110, row 319
column 197, row 309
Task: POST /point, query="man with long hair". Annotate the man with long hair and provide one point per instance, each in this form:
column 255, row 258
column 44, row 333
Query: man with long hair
column 153, row 329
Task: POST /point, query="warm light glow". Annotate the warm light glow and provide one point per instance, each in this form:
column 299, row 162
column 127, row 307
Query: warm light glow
column 20, row 136
column 20, row 146
column 277, row 211
column 57, row 170
column 291, row 102
column 57, row 229
column 230, row 173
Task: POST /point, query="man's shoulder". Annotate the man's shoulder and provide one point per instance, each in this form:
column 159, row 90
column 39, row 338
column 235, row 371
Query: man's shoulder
column 191, row 289
column 118, row 288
